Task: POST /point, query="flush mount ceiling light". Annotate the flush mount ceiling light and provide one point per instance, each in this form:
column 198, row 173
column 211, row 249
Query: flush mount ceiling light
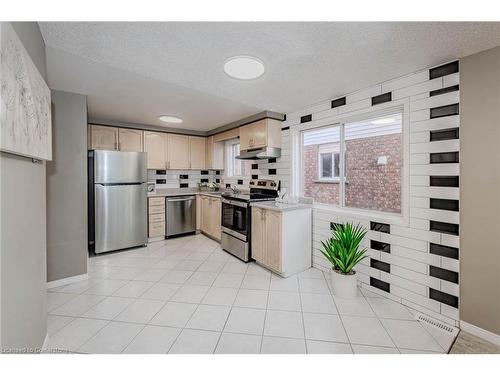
column 244, row 67
column 170, row 119
column 387, row 120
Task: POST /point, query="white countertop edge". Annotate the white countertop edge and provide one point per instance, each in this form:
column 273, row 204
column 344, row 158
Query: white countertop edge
column 182, row 193
column 282, row 207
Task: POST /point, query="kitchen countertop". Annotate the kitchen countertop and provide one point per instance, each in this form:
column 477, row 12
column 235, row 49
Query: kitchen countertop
column 271, row 205
column 184, row 191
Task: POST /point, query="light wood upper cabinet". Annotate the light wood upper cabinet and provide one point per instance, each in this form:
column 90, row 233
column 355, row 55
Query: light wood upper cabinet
column 130, row 140
column 197, row 152
column 103, row 138
column 262, row 133
column 209, row 151
column 155, row 144
column 214, row 154
column 227, row 135
column 178, row 152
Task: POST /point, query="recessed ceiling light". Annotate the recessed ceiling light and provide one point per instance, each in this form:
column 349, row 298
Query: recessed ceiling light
column 387, row 120
column 244, row 67
column 170, row 119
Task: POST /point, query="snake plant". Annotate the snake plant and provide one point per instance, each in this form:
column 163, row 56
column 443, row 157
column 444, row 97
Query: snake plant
column 342, row 249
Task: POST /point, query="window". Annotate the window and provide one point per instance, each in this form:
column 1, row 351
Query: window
column 355, row 164
column 236, row 167
column 329, row 163
column 321, row 164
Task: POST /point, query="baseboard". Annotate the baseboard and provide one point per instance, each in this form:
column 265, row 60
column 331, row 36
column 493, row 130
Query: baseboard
column 67, row 280
column 480, row 332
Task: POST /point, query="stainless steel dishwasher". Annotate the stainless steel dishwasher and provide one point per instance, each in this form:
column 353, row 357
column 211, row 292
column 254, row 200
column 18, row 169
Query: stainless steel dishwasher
column 181, row 215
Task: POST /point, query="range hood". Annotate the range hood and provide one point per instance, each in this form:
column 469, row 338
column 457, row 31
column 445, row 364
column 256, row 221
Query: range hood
column 260, row 153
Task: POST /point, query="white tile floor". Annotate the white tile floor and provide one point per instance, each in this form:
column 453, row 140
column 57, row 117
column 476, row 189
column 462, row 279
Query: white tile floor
column 186, row 295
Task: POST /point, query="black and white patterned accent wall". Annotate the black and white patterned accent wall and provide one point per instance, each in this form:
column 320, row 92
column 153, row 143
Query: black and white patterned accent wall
column 174, row 179
column 416, row 264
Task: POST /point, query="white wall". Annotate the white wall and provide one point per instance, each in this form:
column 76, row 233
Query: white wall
column 409, row 278
column 23, row 311
column 67, row 188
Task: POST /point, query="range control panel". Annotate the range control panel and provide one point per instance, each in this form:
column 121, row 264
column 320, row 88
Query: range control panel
column 264, row 184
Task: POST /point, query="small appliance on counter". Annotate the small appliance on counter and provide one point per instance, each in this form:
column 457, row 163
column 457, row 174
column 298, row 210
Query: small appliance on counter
column 208, row 186
column 236, row 216
column 117, row 200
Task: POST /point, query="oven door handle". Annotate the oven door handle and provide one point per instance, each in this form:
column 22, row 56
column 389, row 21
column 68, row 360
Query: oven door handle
column 235, row 203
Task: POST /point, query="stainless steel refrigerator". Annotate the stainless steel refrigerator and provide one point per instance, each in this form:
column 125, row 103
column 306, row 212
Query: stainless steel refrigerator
column 117, row 200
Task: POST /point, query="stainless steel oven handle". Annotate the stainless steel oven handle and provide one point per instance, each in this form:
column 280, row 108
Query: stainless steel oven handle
column 235, row 203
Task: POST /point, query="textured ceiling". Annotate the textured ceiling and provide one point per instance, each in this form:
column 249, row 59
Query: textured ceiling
column 136, row 71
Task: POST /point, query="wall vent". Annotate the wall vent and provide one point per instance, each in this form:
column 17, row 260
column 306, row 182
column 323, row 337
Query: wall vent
column 436, row 324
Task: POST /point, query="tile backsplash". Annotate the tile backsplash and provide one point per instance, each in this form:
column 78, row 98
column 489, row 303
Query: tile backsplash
column 173, row 179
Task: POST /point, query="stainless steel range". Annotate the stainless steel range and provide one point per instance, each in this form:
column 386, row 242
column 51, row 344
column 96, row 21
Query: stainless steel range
column 236, row 216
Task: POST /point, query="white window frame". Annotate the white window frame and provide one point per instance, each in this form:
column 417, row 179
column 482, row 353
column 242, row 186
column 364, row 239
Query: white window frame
column 328, row 149
column 401, row 106
column 230, row 159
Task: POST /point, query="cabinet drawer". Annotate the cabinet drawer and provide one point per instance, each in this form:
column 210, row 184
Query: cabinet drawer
column 156, row 209
column 155, row 218
column 156, row 201
column 156, row 229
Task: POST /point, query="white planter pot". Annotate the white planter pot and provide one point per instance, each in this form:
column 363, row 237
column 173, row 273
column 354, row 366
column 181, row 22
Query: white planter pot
column 344, row 286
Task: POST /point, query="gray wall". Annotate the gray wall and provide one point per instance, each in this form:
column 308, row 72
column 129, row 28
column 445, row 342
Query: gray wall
column 66, row 188
column 23, row 310
column 480, row 190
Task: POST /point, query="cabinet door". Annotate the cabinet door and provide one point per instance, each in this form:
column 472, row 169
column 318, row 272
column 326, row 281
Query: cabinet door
column 178, row 151
column 130, row 140
column 214, row 154
column 253, row 135
column 197, row 148
column 273, row 239
column 205, row 214
column 259, row 133
column 245, row 137
column 218, row 155
column 155, row 144
column 258, row 235
column 103, row 138
column 216, row 218
column 198, row 212
column 209, row 151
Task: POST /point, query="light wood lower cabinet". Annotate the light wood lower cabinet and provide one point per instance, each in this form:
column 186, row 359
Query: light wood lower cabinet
column 156, row 217
column 281, row 240
column 198, row 212
column 258, row 230
column 211, row 216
